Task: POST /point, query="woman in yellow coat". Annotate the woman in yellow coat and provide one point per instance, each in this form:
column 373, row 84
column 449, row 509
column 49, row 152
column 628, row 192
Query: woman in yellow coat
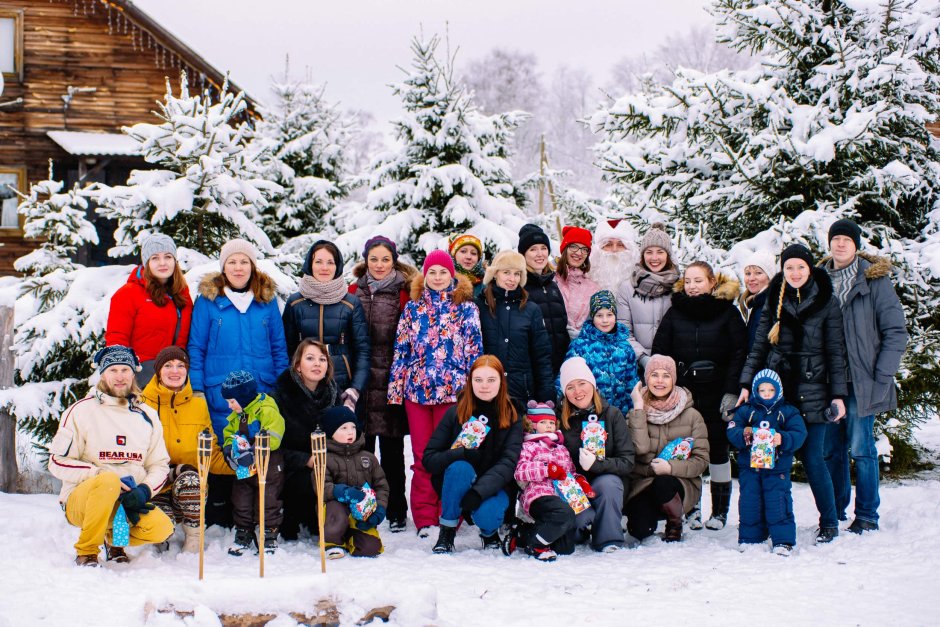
column 183, row 416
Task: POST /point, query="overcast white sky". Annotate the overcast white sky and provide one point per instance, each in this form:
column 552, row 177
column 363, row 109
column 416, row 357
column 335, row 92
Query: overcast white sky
column 354, row 46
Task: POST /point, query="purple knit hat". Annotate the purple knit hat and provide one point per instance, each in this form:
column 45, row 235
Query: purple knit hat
column 380, row 240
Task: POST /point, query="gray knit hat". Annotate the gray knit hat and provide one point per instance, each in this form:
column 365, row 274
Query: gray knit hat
column 154, row 244
column 237, row 246
column 656, row 236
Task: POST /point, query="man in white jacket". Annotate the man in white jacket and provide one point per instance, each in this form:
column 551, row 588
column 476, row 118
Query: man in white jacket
column 109, row 450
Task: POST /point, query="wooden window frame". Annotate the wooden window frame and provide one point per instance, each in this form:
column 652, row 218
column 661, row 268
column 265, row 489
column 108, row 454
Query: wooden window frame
column 18, row 49
column 21, row 186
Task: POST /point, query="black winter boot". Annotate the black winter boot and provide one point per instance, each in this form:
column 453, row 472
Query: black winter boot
column 445, row 540
column 721, row 501
column 825, row 535
column 270, row 540
column 673, row 512
column 491, row 541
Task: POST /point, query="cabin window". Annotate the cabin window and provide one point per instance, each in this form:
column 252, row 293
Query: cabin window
column 16, row 178
column 11, row 43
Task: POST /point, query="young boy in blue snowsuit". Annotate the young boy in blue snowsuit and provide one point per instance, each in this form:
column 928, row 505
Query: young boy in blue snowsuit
column 765, row 504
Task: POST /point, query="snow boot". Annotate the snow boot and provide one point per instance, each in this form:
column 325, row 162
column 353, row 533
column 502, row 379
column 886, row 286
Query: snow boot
column 783, row 549
column 445, row 540
column 115, row 554
column 673, row 512
column 825, row 535
column 396, row 525
column 515, row 538
column 694, row 518
column 270, row 540
column 541, row 553
column 244, row 540
column 860, row 526
column 190, row 539
column 424, row 532
column 721, row 501
column 335, row 552
column 90, row 561
column 491, row 542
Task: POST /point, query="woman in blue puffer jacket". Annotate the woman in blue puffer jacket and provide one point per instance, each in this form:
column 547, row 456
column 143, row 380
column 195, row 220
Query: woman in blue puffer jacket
column 236, row 326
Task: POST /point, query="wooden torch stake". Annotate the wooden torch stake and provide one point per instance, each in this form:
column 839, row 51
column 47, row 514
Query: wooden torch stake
column 262, row 457
column 203, row 456
column 318, row 447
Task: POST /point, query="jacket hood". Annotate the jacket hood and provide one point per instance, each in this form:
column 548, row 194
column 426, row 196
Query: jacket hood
column 156, row 394
column 212, row 285
column 136, row 277
column 539, row 280
column 823, row 295
column 726, row 287
column 409, row 272
column 463, row 290
column 707, row 306
column 878, row 267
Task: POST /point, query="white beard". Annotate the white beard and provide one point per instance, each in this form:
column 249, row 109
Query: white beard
column 610, row 269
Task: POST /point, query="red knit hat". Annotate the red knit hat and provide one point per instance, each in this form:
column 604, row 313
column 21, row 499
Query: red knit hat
column 575, row 235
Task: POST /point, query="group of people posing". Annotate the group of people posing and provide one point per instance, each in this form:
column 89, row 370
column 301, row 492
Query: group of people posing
column 544, row 401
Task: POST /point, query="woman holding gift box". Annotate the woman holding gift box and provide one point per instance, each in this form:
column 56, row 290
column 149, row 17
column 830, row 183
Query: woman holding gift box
column 473, row 474
column 599, row 442
column 664, row 488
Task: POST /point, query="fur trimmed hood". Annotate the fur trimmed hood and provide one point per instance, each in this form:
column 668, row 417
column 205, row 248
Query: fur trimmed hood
column 463, row 291
column 707, row 306
column 213, row 284
column 409, row 272
column 879, row 267
column 824, row 293
column 726, row 287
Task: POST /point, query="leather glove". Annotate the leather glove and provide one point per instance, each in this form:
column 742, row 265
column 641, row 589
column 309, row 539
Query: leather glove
column 586, row 458
column 470, row 502
column 375, row 519
column 347, row 494
column 556, row 472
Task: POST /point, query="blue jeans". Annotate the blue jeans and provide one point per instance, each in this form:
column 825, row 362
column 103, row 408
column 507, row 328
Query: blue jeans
column 856, row 435
column 458, row 479
column 818, row 474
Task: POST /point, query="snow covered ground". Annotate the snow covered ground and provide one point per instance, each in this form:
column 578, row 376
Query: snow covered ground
column 884, row 578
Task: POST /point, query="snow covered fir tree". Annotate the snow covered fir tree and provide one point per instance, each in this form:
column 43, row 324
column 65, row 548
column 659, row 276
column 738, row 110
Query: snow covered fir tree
column 831, row 119
column 451, row 173
column 302, row 141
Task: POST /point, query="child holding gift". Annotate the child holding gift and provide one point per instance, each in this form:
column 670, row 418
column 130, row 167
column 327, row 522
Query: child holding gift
column 252, row 412
column 544, row 461
column 766, row 504
column 355, row 490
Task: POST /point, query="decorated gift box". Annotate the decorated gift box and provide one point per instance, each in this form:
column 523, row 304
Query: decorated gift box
column 364, row 508
column 571, row 493
column 680, row 448
column 594, row 436
column 762, row 447
column 473, row 433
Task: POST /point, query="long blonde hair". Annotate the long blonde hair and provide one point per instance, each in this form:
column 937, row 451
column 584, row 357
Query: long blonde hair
column 567, row 408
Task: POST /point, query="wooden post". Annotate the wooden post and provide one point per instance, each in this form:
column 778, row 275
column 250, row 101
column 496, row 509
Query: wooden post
column 262, row 457
column 204, row 455
column 8, row 468
column 318, row 448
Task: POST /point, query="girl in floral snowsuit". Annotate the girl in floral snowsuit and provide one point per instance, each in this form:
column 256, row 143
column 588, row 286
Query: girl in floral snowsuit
column 438, row 340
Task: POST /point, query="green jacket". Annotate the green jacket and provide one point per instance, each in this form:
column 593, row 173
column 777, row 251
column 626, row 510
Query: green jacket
column 264, row 410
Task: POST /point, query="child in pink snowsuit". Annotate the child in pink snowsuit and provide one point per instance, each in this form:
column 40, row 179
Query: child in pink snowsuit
column 544, row 459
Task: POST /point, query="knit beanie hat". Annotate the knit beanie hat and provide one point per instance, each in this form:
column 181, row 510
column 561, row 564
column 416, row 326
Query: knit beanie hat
column 659, row 362
column 169, row 354
column 458, row 241
column 603, row 299
column 530, row 235
column 241, row 386
column 157, row 243
column 380, row 240
column 536, row 411
column 763, row 259
column 657, row 236
column 333, row 250
column 767, row 376
column 438, row 258
column 573, row 369
column 796, row 251
column 506, row 260
column 849, row 229
column 116, row 355
column 237, row 246
column 575, row 235
column 335, row 417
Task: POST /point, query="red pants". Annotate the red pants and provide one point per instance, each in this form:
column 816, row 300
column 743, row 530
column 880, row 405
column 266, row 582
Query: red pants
column 422, row 420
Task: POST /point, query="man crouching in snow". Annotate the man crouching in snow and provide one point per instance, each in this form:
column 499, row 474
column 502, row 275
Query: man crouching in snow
column 109, row 451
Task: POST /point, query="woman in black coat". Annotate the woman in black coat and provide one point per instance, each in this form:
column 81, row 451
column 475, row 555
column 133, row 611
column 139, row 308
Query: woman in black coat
column 543, row 291
column 302, row 393
column 323, row 309
column 513, row 330
column 705, row 335
column 800, row 336
column 474, row 479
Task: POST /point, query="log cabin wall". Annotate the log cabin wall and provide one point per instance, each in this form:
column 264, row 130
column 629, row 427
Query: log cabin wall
column 96, row 44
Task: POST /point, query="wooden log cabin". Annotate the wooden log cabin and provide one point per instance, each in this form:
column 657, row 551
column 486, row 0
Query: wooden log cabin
column 74, row 73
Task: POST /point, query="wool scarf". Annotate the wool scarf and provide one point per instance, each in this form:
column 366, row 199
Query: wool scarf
column 649, row 284
column 323, row 292
column 659, row 411
column 379, row 285
column 474, row 274
column 322, row 397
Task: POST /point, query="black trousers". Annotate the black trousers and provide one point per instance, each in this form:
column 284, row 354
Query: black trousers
column 245, row 496
column 644, row 510
column 554, row 524
column 392, row 459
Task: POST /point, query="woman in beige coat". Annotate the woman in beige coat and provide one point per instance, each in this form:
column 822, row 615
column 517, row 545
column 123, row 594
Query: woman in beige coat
column 664, row 485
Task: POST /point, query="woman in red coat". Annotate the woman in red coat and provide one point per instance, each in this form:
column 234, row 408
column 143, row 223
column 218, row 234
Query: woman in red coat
column 153, row 309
